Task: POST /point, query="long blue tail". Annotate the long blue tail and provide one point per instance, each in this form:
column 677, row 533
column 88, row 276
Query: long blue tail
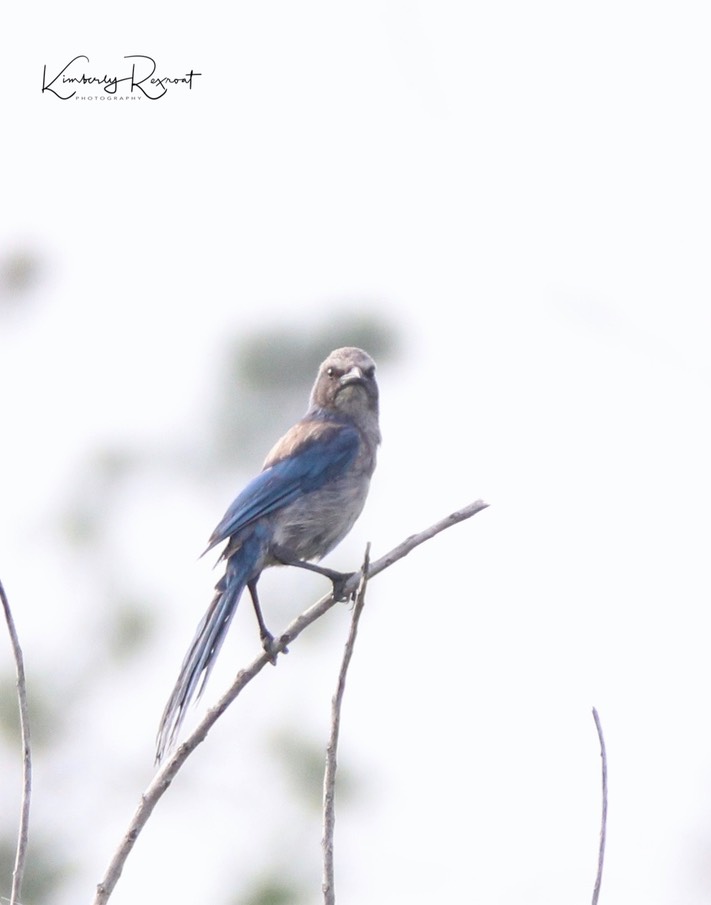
column 205, row 646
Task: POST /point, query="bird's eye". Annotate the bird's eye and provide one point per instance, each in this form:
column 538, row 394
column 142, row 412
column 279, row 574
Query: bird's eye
column 331, row 372
column 370, row 372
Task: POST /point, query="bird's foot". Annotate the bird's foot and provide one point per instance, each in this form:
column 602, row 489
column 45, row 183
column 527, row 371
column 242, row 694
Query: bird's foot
column 339, row 580
column 272, row 648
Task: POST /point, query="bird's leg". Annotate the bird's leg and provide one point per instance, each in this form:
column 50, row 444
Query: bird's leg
column 264, row 633
column 337, row 579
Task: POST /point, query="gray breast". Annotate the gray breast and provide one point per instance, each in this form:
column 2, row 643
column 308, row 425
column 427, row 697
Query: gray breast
column 313, row 525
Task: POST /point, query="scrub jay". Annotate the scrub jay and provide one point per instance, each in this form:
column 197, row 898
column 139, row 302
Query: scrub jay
column 305, row 500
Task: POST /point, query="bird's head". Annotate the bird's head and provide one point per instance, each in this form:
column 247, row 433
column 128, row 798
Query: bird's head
column 346, row 383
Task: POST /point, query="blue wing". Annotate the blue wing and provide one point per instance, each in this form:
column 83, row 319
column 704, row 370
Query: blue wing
column 314, row 463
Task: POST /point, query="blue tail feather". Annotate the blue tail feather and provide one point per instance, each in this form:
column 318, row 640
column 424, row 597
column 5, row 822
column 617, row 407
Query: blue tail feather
column 206, row 644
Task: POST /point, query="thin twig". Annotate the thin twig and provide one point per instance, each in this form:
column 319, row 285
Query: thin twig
column 167, row 772
column 23, row 831
column 603, row 823
column 329, row 776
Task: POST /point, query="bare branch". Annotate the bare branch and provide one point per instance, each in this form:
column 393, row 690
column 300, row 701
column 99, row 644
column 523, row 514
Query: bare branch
column 408, row 545
column 167, row 772
column 329, row 776
column 603, row 824
column 23, row 831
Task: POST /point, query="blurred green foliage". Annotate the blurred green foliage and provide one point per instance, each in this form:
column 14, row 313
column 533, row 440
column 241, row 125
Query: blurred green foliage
column 302, row 760
column 42, row 874
column 20, row 271
column 43, row 717
column 130, row 627
column 269, row 375
column 286, row 360
column 89, row 504
column 271, row 891
column 9, row 716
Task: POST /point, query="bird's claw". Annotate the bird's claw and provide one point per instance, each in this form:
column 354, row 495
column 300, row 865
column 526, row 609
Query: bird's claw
column 339, row 581
column 272, row 648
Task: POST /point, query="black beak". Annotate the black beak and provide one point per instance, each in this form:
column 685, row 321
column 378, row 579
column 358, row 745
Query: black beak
column 355, row 375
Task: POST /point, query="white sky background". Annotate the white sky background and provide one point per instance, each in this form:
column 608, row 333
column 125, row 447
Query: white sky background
column 525, row 188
